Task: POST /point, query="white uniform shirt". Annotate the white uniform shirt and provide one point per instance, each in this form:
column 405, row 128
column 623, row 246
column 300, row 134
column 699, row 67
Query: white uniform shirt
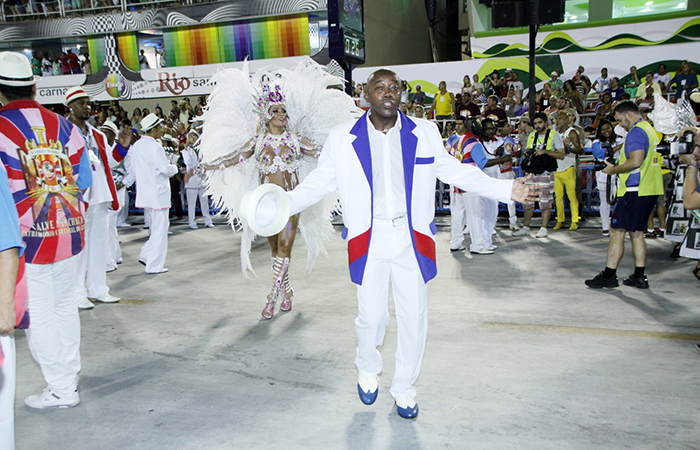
column 152, row 171
column 191, row 159
column 387, row 171
column 99, row 191
column 491, row 147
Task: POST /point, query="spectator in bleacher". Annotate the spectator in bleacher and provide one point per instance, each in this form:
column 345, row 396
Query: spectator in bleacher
column 648, row 82
column 553, row 107
column 514, row 83
column 85, row 64
column 511, row 103
column 543, row 97
column 467, row 107
column 449, row 130
column 556, row 83
column 581, row 82
column 364, row 97
column 508, row 78
column 467, row 86
column 684, row 80
column 493, row 111
column 574, row 95
column 602, row 83
column 493, row 84
column 604, row 108
column 524, row 130
column 186, row 112
column 36, row 63
column 615, row 90
column 199, row 107
column 419, row 96
column 161, row 57
column 634, row 78
column 143, row 62
column 65, row 68
column 405, row 90
column 443, row 103
column 403, row 107
column 478, row 94
column 73, row 62
column 418, row 112
column 159, row 112
column 646, row 103
column 663, row 78
column 46, row 66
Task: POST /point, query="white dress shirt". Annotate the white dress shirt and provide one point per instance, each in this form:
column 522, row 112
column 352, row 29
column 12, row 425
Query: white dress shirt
column 99, row 191
column 387, row 171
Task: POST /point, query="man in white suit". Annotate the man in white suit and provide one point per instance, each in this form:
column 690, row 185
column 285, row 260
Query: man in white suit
column 152, row 172
column 384, row 166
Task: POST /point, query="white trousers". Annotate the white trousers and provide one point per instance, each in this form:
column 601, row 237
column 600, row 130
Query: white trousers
column 480, row 229
column 123, row 206
column 54, row 333
column 8, row 377
column 147, row 217
column 92, row 261
column 602, row 181
column 192, row 195
column 114, row 250
column 155, row 249
column 391, row 257
column 458, row 219
column 513, row 218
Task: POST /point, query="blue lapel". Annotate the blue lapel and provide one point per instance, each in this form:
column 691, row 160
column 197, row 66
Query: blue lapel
column 361, row 146
column 409, row 141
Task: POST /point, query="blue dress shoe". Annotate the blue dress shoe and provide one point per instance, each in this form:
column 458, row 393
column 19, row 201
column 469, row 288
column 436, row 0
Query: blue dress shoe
column 367, row 397
column 407, row 413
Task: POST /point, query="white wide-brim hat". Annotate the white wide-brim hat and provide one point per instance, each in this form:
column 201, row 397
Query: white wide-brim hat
column 266, row 209
column 149, row 122
column 16, row 70
column 109, row 125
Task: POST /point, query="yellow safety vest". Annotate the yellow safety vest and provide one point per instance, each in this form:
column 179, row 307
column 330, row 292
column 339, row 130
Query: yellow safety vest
column 650, row 180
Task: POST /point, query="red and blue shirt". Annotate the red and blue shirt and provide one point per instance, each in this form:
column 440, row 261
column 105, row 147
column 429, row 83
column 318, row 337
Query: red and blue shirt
column 47, row 167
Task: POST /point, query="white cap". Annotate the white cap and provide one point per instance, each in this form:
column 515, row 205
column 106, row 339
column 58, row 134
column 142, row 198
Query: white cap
column 15, row 70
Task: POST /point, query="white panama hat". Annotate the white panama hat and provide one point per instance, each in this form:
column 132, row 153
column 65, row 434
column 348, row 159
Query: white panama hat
column 15, row 70
column 266, row 209
column 149, row 122
column 109, row 125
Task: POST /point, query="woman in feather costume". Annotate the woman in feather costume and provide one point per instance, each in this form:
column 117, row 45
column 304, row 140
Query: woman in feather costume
column 269, row 128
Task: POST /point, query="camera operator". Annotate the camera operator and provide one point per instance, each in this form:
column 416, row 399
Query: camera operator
column 641, row 182
column 544, row 147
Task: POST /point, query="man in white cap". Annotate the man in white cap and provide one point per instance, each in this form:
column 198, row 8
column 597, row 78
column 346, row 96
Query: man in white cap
column 119, row 162
column 193, row 184
column 92, row 278
column 153, row 171
column 49, row 172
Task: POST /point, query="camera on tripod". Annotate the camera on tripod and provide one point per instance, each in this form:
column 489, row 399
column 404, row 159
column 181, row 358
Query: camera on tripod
column 599, row 164
column 684, row 146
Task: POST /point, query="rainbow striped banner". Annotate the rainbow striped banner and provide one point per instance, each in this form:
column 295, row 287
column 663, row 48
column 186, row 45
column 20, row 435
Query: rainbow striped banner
column 128, row 50
column 96, row 48
column 270, row 37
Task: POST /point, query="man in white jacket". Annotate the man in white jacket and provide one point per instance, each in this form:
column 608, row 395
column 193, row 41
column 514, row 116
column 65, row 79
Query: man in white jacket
column 193, row 183
column 152, row 172
column 384, row 166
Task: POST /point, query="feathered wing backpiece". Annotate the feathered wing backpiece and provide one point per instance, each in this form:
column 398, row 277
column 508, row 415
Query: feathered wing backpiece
column 231, row 121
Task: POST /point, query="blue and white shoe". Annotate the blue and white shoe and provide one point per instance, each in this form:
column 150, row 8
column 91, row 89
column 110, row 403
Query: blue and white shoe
column 406, row 407
column 368, row 388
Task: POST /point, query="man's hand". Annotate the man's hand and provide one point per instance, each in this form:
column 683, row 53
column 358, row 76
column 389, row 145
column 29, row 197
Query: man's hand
column 609, row 168
column 525, row 193
column 8, row 319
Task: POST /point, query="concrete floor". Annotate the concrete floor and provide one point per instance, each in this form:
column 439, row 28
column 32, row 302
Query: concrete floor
column 520, row 355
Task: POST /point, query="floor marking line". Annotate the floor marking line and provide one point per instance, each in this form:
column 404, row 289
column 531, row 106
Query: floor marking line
column 588, row 330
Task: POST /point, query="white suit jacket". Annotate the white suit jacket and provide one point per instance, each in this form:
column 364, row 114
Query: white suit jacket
column 152, row 171
column 345, row 164
column 191, row 159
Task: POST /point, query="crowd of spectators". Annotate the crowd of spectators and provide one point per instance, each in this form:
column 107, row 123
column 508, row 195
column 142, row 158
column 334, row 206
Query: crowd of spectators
column 47, row 64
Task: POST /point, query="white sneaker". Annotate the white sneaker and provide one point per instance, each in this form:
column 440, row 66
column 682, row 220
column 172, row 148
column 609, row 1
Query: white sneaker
column 50, row 399
column 194, row 227
column 514, row 227
column 106, row 298
column 368, row 383
column 163, row 270
column 111, row 269
column 482, row 251
column 123, row 225
column 209, row 225
column 169, row 233
column 542, row 233
column 524, row 231
column 492, row 247
column 84, row 303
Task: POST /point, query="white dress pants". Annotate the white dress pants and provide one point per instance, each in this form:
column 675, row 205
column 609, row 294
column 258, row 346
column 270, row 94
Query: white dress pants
column 477, row 222
column 458, row 219
column 92, row 261
column 490, row 217
column 123, row 195
column 602, row 182
column 155, row 249
column 114, row 250
column 54, row 333
column 192, row 195
column 391, row 257
column 513, row 218
column 147, row 217
column 8, row 377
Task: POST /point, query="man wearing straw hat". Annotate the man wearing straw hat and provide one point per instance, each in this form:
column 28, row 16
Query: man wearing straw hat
column 153, row 171
column 48, row 171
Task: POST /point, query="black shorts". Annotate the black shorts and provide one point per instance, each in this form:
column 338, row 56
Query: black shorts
column 631, row 212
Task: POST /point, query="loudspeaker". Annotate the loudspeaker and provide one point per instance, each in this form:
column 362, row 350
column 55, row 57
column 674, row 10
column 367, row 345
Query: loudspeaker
column 514, row 13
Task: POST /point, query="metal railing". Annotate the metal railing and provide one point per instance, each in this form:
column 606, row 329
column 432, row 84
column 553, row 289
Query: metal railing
column 26, row 10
